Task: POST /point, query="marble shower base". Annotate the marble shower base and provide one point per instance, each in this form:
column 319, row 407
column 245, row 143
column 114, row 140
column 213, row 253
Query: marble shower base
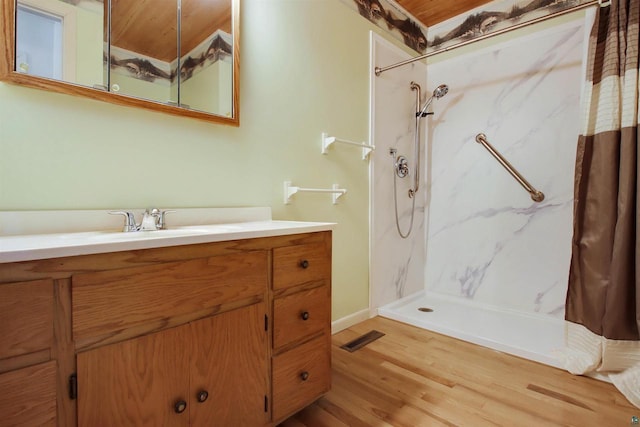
column 531, row 336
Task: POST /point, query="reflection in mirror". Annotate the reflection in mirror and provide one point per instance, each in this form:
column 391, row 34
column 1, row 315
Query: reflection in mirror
column 206, row 50
column 61, row 40
column 144, row 49
column 145, row 59
column 175, row 56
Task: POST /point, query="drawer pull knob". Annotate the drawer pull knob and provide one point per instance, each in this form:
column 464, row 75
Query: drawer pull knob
column 304, row 263
column 305, row 315
column 180, row 406
column 202, row 396
column 304, row 376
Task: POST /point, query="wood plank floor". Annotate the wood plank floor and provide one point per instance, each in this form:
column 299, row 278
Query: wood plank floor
column 412, row 377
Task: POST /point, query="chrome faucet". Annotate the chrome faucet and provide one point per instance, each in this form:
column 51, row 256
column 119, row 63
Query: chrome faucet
column 150, row 220
column 153, row 219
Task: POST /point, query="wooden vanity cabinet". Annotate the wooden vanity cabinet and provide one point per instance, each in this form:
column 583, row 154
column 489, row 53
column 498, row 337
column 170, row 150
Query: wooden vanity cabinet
column 27, row 369
column 211, row 370
column 230, row 333
column 196, row 374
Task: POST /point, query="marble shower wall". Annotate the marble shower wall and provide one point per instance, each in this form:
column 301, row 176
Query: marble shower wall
column 397, row 265
column 487, row 241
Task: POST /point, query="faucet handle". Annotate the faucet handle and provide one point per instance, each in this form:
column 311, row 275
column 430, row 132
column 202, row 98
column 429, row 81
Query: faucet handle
column 129, row 220
column 161, row 220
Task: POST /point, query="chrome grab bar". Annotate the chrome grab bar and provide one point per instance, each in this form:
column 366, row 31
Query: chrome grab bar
column 536, row 196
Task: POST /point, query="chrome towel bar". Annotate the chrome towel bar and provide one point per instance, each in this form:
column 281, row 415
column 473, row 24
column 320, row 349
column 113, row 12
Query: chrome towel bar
column 536, row 196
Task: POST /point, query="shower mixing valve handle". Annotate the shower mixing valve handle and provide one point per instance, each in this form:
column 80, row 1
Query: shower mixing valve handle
column 401, row 167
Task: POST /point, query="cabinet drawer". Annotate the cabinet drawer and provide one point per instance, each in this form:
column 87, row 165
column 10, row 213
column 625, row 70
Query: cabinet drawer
column 298, row 315
column 28, row 396
column 293, row 265
column 110, row 301
column 26, row 317
column 300, row 376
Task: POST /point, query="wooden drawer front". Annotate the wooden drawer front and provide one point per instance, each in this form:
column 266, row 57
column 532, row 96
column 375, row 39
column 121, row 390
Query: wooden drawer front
column 289, row 264
column 290, row 391
column 28, row 396
column 290, row 312
column 111, row 301
column 26, row 317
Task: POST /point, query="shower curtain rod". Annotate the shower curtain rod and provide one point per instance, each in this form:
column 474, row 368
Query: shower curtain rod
column 379, row 70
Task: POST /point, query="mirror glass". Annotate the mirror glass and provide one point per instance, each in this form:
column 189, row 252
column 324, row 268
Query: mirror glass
column 61, row 40
column 143, row 54
column 172, row 52
column 206, row 48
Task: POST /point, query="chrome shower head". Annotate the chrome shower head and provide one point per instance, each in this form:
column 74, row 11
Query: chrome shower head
column 438, row 93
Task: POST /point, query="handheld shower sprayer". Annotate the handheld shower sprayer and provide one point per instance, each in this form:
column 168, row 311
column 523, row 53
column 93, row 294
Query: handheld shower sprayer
column 400, row 163
column 438, row 93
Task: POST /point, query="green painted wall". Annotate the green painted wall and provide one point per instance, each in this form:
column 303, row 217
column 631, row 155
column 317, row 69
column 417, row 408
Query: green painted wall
column 304, row 71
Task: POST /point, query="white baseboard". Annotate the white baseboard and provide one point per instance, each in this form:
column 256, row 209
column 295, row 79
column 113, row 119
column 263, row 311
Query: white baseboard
column 350, row 320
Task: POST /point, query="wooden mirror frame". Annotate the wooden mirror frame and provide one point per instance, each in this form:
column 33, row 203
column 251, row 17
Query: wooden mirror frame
column 7, row 73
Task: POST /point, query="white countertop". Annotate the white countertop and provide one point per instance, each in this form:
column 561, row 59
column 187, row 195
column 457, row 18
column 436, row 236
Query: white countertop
column 32, row 235
column 42, row 246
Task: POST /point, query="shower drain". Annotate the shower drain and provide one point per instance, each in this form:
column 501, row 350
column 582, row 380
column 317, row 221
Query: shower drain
column 425, row 309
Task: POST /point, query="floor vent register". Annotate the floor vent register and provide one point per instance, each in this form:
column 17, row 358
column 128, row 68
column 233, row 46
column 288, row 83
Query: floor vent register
column 361, row 341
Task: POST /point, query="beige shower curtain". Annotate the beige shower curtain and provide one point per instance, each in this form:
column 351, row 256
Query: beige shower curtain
column 603, row 299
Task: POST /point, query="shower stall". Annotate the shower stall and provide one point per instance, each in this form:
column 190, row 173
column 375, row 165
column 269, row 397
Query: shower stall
column 484, row 262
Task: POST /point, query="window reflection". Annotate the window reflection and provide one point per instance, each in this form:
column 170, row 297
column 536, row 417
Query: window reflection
column 39, row 43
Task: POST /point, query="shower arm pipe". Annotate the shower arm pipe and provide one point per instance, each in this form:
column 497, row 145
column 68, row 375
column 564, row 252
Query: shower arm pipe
column 380, row 70
column 328, row 140
column 290, row 190
column 536, row 196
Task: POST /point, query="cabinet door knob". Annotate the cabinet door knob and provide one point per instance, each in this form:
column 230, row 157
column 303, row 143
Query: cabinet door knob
column 304, row 263
column 304, row 376
column 180, row 406
column 305, row 315
column 202, row 395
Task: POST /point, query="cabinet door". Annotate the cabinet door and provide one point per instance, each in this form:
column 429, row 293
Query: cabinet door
column 28, row 396
column 229, row 353
column 135, row 382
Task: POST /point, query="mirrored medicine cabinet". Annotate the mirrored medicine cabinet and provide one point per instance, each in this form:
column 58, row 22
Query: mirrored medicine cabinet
column 176, row 56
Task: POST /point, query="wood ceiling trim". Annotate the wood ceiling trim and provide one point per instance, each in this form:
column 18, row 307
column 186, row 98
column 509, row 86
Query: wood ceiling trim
column 149, row 27
column 432, row 12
